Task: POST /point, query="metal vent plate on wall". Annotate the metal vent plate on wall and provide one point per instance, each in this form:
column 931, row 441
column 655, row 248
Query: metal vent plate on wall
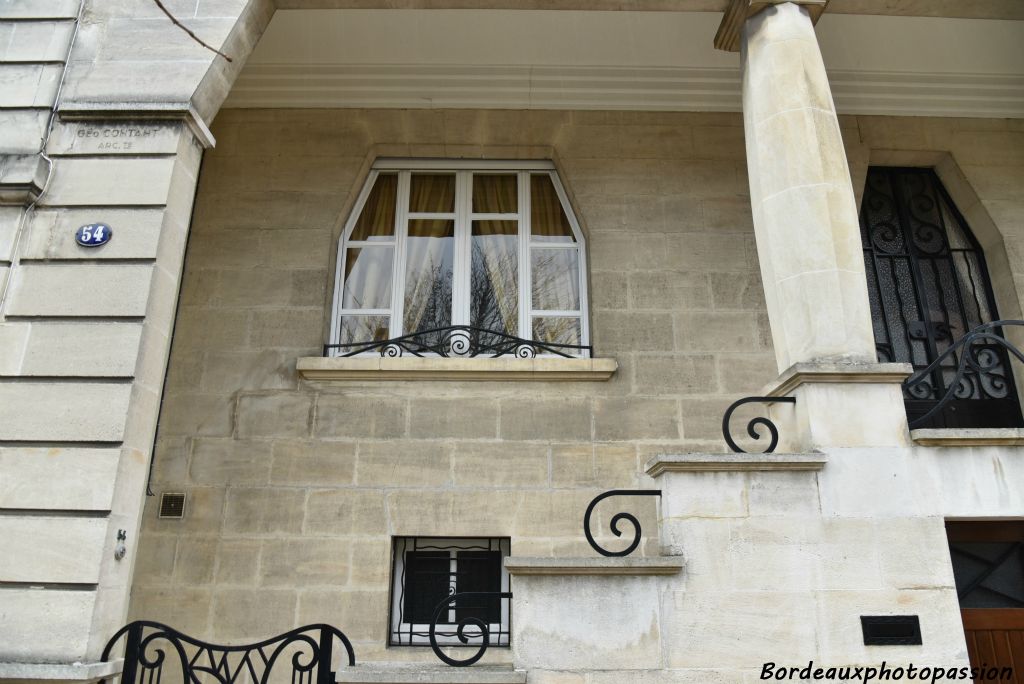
column 172, row 505
column 891, row 630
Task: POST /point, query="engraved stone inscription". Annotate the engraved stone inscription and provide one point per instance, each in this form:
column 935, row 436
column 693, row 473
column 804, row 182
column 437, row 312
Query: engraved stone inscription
column 115, row 138
column 121, row 138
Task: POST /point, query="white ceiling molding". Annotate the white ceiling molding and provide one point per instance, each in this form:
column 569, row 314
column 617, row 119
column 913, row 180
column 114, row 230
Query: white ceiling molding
column 617, row 60
column 657, row 89
column 973, row 9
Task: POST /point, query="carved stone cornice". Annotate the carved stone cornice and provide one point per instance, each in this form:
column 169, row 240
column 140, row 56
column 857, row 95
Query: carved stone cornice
column 738, row 11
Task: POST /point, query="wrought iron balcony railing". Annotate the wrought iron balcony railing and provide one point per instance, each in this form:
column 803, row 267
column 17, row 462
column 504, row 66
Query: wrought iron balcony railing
column 974, row 368
column 459, row 341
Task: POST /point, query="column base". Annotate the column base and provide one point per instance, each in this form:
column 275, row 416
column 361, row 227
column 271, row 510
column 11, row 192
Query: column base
column 842, row 405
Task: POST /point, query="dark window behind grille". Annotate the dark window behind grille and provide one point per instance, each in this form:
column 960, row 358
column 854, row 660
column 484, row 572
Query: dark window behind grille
column 479, row 571
column 427, row 576
column 928, row 286
column 428, row 569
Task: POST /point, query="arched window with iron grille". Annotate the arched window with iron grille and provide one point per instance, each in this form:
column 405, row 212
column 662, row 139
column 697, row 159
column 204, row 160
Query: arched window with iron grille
column 929, row 285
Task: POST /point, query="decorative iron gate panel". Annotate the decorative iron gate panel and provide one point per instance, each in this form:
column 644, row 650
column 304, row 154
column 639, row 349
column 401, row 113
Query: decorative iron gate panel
column 928, row 286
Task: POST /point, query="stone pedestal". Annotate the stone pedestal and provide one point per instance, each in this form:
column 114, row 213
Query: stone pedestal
column 589, row 613
column 785, row 552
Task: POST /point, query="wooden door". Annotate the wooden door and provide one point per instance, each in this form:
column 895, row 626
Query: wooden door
column 995, row 639
column 988, row 564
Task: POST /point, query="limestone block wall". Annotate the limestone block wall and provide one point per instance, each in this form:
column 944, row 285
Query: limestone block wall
column 34, row 43
column 295, row 488
column 83, row 348
column 84, row 335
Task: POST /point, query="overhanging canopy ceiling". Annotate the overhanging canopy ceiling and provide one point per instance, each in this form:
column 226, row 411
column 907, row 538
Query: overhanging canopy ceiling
column 617, row 60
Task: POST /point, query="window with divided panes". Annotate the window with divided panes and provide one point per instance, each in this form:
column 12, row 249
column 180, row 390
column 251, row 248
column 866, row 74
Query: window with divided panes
column 431, row 245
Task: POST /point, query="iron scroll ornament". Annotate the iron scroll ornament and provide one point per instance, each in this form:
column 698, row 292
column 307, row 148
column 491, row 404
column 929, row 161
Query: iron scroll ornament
column 754, row 422
column 629, row 517
column 201, row 662
column 980, row 361
column 460, row 341
column 485, row 632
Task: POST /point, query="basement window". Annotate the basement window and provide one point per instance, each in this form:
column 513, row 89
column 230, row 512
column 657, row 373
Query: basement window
column 427, row 570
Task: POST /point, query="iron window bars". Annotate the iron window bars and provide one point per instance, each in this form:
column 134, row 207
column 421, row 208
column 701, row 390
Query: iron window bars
column 429, row 572
column 928, row 285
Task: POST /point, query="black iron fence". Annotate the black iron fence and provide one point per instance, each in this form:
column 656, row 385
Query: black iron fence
column 153, row 650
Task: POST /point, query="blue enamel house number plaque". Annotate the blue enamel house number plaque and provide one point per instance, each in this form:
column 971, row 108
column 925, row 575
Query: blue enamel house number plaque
column 93, row 235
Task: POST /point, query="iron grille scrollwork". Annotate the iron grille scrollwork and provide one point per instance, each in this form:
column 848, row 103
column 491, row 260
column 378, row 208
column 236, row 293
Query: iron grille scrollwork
column 928, row 283
column 754, row 423
column 427, row 572
column 459, row 341
column 305, row 652
column 981, row 370
column 460, row 602
column 628, row 517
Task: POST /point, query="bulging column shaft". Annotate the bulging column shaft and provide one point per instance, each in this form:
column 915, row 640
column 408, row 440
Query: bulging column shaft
column 805, row 214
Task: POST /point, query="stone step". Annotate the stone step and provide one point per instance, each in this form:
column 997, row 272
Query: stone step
column 418, row 673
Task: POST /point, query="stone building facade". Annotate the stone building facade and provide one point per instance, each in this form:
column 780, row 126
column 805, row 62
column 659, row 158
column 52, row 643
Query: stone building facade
column 723, row 259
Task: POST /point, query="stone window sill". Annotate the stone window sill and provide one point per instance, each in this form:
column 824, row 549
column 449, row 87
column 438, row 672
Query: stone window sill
column 657, row 565
column 479, row 369
column 969, row 437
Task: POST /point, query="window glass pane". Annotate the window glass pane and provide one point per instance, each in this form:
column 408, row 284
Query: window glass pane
column 556, row 279
column 479, row 571
column 428, row 275
column 359, row 329
column 432, row 193
column 1000, row 568
column 495, row 194
column 377, row 220
column 494, row 280
column 557, row 330
column 367, row 278
column 548, row 222
column 427, row 579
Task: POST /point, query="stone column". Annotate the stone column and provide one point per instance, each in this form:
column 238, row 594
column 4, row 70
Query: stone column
column 805, row 215
column 808, row 239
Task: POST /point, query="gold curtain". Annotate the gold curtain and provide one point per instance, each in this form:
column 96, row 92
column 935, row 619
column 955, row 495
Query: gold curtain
column 548, row 221
column 432, row 193
column 495, row 194
column 378, row 216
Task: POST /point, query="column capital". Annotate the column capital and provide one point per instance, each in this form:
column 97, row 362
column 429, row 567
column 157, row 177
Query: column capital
column 738, row 11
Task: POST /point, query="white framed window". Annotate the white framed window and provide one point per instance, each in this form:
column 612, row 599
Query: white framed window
column 434, row 244
column 427, row 570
